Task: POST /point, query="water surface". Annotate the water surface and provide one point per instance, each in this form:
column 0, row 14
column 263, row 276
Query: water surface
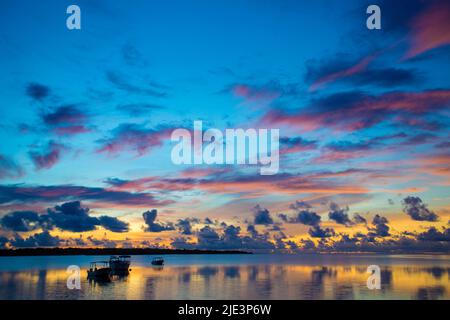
column 258, row 276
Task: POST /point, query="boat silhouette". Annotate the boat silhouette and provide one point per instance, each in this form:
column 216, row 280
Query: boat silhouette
column 120, row 265
column 99, row 271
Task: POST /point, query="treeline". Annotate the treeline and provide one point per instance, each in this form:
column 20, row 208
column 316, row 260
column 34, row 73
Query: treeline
column 107, row 251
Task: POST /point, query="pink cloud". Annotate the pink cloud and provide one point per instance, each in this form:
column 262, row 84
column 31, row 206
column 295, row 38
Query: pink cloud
column 430, row 29
column 49, row 157
column 360, row 111
column 134, row 138
column 332, row 77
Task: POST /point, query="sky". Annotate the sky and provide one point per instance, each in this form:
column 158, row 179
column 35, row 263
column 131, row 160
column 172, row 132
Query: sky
column 86, row 118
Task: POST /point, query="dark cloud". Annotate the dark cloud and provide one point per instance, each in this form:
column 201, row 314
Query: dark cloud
column 297, row 205
column 9, row 168
column 433, row 234
column 229, row 239
column 66, row 114
column 134, row 137
column 357, row 71
column 122, row 83
column 113, row 224
column 69, row 216
column 47, row 158
column 420, row 139
column 318, row 232
column 296, row 144
column 208, row 238
column 306, row 217
column 417, row 210
column 184, row 226
column 3, row 242
column 262, row 215
column 43, row 239
column 152, row 226
column 356, row 110
column 101, row 243
column 138, row 109
column 21, row 221
column 443, row 145
column 385, row 77
column 358, row 219
column 381, row 229
column 339, row 215
column 66, row 120
column 349, row 146
column 28, row 194
column 37, row 91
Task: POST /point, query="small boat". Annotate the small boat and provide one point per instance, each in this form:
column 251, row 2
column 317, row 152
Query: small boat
column 120, row 265
column 99, row 270
column 158, row 261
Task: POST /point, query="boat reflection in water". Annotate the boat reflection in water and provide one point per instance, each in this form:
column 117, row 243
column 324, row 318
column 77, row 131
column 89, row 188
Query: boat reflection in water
column 158, row 261
column 252, row 277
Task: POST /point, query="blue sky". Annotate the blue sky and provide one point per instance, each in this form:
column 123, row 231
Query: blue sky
column 363, row 114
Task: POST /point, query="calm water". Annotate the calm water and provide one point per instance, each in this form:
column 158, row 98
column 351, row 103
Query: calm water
column 233, row 277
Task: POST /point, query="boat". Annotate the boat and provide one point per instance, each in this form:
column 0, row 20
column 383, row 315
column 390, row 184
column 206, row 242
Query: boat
column 99, row 270
column 120, row 265
column 158, row 261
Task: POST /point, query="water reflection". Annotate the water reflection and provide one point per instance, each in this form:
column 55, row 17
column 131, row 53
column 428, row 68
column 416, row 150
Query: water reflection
column 235, row 282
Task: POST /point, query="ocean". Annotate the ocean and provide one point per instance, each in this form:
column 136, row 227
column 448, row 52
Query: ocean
column 230, row 276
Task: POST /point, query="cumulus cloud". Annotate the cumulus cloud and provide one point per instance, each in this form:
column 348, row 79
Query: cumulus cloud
column 381, row 229
column 297, row 205
column 185, row 226
column 434, row 234
column 306, row 217
column 152, row 226
column 318, row 232
column 417, row 210
column 113, row 224
column 43, row 239
column 69, row 216
column 339, row 215
column 229, row 239
column 359, row 219
column 262, row 215
column 21, row 221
